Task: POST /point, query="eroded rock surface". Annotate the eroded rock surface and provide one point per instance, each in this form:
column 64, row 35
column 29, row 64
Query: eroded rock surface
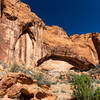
column 21, row 86
column 24, row 38
column 20, row 33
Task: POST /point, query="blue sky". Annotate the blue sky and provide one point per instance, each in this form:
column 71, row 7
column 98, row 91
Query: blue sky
column 74, row 16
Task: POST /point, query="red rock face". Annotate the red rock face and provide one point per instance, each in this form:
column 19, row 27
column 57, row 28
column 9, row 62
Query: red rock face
column 21, row 86
column 96, row 42
column 78, row 50
column 20, row 33
column 24, row 38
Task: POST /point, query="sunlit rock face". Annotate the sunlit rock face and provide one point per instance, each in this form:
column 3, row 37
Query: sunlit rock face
column 25, row 39
column 20, row 33
column 22, row 87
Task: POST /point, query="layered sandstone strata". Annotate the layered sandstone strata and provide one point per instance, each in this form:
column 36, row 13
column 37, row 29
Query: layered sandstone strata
column 24, row 38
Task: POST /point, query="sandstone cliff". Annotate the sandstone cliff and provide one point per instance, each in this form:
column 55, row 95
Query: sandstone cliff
column 36, row 59
column 24, row 38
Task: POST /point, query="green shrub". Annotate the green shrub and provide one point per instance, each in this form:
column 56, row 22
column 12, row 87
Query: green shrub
column 97, row 94
column 83, row 88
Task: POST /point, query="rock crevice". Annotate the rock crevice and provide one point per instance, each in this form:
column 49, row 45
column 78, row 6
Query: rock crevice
column 26, row 39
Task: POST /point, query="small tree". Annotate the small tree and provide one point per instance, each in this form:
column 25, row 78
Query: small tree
column 83, row 88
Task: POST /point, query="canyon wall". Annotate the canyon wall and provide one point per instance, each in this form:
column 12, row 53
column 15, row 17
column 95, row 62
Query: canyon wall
column 20, row 33
column 25, row 39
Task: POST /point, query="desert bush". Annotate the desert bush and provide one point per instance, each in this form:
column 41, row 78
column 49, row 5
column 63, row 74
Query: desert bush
column 97, row 81
column 83, row 88
column 1, row 74
column 39, row 76
column 43, row 79
column 63, row 91
column 95, row 70
column 0, row 62
column 5, row 66
column 98, row 66
column 16, row 68
column 63, row 80
column 55, row 91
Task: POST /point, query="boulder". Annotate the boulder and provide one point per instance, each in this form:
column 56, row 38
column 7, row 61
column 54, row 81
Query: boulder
column 21, row 86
